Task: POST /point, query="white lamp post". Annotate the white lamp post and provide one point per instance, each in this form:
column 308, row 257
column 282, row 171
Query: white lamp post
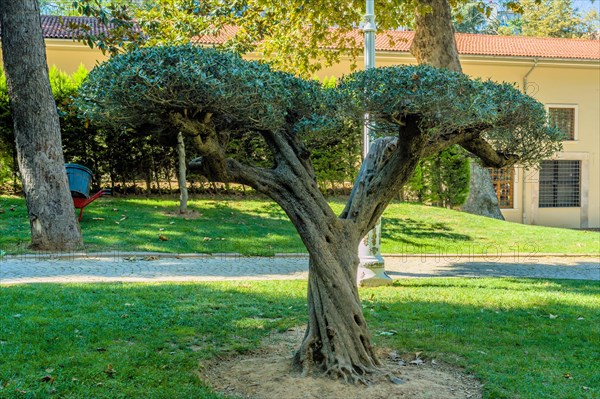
column 371, row 270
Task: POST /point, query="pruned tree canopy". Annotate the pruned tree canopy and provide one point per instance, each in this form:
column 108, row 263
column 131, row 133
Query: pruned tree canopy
column 416, row 110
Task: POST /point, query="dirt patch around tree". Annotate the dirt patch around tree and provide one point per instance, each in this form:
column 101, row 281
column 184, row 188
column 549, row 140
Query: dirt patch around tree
column 190, row 214
column 267, row 373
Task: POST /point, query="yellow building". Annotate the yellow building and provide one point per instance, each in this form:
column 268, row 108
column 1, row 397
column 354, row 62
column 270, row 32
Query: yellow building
column 564, row 74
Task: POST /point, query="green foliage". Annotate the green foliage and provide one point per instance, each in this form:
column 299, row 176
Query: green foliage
column 7, row 138
column 471, row 17
column 441, row 180
column 552, row 18
column 447, row 101
column 145, row 86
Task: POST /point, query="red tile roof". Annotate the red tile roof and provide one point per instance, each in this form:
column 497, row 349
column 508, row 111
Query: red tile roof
column 58, row 27
column 468, row 44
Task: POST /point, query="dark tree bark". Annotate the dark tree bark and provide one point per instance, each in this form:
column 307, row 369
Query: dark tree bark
column 37, row 129
column 435, row 44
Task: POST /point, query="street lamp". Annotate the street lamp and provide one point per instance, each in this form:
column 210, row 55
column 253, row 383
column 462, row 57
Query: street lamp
column 371, row 270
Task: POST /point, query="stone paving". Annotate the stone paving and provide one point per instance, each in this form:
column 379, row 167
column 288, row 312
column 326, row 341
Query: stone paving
column 151, row 268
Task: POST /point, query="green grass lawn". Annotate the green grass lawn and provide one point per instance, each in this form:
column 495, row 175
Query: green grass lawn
column 147, row 340
column 260, row 227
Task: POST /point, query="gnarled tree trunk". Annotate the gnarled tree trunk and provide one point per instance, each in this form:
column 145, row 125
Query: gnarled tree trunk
column 435, row 44
column 37, row 129
column 337, row 339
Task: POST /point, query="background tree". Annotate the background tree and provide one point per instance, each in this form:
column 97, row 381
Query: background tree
column 471, row 17
column 36, row 128
column 8, row 152
column 417, row 111
column 552, row 18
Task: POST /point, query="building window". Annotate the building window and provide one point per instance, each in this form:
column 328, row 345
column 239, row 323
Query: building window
column 503, row 180
column 560, row 184
column 563, row 118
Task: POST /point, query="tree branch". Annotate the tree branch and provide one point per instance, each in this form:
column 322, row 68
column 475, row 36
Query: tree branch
column 487, row 154
column 388, row 166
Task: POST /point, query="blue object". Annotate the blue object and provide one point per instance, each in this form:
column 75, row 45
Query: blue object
column 80, row 179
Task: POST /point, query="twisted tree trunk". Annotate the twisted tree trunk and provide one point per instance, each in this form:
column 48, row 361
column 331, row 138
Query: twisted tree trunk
column 337, row 340
column 37, row 130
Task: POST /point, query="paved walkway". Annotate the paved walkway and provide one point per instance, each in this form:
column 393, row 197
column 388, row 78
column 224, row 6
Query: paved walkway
column 148, row 268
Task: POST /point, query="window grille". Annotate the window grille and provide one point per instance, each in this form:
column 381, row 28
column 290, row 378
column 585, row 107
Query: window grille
column 560, row 184
column 503, row 181
column 564, row 120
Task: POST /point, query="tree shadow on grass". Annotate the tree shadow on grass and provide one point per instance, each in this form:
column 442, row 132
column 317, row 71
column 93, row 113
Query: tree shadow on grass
column 399, row 230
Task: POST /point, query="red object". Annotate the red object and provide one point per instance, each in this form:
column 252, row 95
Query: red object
column 81, row 203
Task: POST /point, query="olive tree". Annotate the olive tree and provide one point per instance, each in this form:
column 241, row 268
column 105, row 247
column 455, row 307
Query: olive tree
column 417, row 111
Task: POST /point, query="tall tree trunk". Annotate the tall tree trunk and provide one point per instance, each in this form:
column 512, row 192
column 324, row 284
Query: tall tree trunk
column 434, row 41
column 183, row 191
column 37, row 129
column 434, row 44
column 486, row 203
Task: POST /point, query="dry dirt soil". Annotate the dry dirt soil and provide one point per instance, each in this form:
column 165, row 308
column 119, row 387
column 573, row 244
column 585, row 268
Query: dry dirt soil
column 267, row 373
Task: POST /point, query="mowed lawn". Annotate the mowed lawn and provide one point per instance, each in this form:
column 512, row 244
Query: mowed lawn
column 522, row 338
column 260, row 227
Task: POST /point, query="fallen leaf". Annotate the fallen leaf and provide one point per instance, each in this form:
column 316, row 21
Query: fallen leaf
column 171, row 222
column 386, row 333
column 123, row 218
column 207, row 239
column 97, row 218
column 161, row 229
column 2, row 211
column 100, row 349
column 585, row 388
column 163, row 238
column 17, row 316
column 12, row 208
column 49, row 370
column 552, row 316
column 124, row 316
column 117, row 223
column 110, row 371
column 150, row 258
column 48, row 378
column 580, row 318
column 568, row 376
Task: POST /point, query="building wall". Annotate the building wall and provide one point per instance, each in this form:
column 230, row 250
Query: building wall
column 68, row 55
column 567, row 82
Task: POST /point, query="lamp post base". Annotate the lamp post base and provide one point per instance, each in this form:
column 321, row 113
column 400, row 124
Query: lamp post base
column 371, row 269
column 371, row 272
